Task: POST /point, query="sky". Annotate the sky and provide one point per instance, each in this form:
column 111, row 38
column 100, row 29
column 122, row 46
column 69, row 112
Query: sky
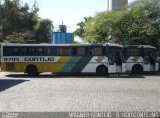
column 69, row 11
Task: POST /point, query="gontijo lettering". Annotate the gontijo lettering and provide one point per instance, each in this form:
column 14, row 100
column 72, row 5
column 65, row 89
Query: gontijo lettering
column 39, row 59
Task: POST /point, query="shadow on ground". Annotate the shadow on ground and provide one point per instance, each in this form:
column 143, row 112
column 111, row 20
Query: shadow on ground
column 88, row 75
column 152, row 74
column 7, row 83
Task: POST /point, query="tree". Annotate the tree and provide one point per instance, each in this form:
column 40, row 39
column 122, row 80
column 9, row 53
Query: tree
column 43, row 30
column 97, row 30
column 81, row 26
column 139, row 23
column 18, row 18
column 18, row 38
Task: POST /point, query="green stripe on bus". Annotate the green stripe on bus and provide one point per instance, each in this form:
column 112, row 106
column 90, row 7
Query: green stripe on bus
column 71, row 64
column 81, row 64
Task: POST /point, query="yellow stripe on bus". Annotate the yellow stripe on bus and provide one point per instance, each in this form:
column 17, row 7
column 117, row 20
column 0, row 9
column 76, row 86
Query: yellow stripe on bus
column 41, row 66
column 61, row 63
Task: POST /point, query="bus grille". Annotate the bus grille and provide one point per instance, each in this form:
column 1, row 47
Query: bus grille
column 10, row 67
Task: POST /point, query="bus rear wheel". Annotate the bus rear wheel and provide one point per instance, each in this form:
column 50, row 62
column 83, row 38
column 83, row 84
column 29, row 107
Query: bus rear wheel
column 102, row 70
column 137, row 69
column 32, row 70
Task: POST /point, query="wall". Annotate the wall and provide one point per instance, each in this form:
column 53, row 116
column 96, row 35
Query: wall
column 62, row 38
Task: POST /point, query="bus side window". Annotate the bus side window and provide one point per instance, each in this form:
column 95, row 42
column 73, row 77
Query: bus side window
column 48, row 51
column 67, row 51
column 59, row 51
column 63, row 51
column 15, row 51
column 96, row 51
column 23, row 51
column 40, row 51
column 80, row 51
column 55, row 51
column 90, row 51
column 104, row 51
column 74, row 51
column 31, row 51
column 7, row 51
column 87, row 51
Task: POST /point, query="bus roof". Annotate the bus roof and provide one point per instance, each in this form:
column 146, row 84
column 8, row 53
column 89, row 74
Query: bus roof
column 130, row 46
column 83, row 44
column 113, row 44
column 139, row 46
column 13, row 44
column 147, row 46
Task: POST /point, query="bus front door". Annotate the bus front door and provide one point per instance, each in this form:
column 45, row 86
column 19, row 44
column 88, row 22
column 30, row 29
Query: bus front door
column 118, row 61
column 115, row 61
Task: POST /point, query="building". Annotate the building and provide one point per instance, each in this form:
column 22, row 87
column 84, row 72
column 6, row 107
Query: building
column 62, row 36
column 116, row 5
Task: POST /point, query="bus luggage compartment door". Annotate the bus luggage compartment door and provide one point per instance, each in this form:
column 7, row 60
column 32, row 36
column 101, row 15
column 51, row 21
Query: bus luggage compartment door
column 10, row 67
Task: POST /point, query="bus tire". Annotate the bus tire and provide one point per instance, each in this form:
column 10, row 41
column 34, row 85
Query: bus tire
column 137, row 69
column 32, row 70
column 102, row 70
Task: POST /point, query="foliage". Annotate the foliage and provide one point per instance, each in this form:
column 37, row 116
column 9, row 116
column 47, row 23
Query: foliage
column 97, row 29
column 18, row 38
column 138, row 23
column 18, row 18
column 81, row 26
column 43, row 30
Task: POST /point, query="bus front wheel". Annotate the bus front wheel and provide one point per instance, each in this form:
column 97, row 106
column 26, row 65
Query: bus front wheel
column 31, row 70
column 102, row 70
column 137, row 69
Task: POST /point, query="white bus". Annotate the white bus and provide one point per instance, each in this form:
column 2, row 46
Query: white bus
column 102, row 59
column 142, row 58
column 78, row 58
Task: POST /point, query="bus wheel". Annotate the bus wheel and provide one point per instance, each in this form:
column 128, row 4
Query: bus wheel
column 137, row 69
column 102, row 70
column 31, row 70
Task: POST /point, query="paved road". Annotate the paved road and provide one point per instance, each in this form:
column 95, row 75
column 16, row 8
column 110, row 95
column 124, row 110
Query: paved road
column 83, row 93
